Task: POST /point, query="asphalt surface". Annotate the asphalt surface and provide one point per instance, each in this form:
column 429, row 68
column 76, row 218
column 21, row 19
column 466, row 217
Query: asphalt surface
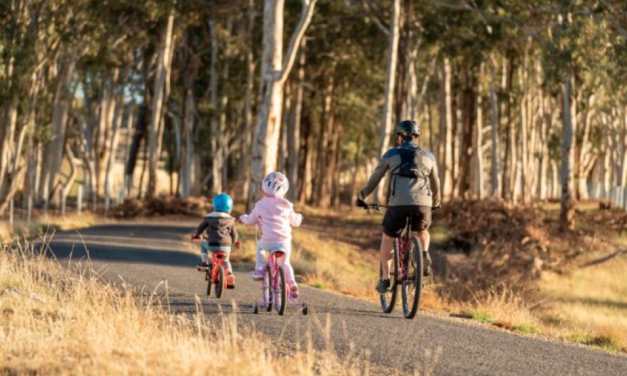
column 152, row 256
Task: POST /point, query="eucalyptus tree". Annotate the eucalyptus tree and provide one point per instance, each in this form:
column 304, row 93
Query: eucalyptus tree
column 275, row 70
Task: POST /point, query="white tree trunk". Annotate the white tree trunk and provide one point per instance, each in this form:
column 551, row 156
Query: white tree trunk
column 54, row 149
column 390, row 82
column 567, row 208
column 477, row 143
column 273, row 80
column 495, row 181
column 446, row 129
column 294, row 130
column 155, row 128
column 112, row 145
column 187, row 168
column 246, row 158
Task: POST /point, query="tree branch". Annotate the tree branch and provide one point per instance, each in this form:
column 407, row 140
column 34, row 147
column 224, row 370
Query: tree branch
column 299, row 33
column 373, row 16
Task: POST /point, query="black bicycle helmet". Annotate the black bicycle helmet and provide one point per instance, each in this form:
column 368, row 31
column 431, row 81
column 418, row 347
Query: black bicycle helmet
column 407, row 129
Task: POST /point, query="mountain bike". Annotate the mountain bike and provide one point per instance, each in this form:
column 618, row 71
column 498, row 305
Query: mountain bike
column 274, row 286
column 407, row 271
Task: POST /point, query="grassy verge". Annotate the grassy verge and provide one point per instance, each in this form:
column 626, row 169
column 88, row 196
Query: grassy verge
column 57, row 321
column 47, row 224
column 588, row 306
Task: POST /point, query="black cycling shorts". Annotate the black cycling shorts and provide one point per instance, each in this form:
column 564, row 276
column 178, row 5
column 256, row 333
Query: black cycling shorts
column 394, row 220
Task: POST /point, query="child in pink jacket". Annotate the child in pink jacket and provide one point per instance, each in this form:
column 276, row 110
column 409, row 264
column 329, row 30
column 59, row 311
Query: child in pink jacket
column 275, row 217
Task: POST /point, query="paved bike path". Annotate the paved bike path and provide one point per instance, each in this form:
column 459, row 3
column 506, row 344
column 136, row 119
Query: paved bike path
column 147, row 255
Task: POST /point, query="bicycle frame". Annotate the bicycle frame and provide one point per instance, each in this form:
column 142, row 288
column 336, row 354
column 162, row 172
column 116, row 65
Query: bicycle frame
column 217, row 258
column 401, row 242
column 274, row 262
column 274, row 287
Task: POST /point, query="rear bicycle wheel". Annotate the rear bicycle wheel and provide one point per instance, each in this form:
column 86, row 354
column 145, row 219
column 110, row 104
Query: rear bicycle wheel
column 267, row 288
column 280, row 293
column 220, row 283
column 412, row 285
column 209, row 282
column 388, row 299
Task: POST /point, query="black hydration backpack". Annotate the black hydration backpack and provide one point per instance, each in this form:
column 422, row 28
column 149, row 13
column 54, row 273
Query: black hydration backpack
column 411, row 164
column 411, row 167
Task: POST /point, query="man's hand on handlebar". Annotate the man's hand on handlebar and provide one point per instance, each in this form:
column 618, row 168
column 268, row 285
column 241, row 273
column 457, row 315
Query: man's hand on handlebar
column 361, row 203
column 371, row 206
column 238, row 244
column 194, row 237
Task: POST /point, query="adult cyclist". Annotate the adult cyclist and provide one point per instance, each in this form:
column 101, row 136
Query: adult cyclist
column 414, row 189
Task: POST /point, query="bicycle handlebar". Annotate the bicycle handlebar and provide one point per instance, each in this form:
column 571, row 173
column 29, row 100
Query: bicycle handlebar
column 374, row 206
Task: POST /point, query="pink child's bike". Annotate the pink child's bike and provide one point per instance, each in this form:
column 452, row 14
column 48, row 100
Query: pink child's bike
column 274, row 286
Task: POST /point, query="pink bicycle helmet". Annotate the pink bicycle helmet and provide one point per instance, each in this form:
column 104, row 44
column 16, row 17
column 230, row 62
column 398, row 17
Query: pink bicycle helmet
column 275, row 184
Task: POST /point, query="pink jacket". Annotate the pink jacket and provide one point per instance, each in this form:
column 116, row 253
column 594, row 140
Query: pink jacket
column 276, row 217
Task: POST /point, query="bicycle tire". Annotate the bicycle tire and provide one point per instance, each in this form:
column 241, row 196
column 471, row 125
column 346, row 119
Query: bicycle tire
column 411, row 287
column 220, row 282
column 280, row 298
column 267, row 288
column 388, row 299
column 209, row 282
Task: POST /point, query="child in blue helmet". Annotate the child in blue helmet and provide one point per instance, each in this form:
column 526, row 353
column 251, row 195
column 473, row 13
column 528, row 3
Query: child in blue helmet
column 221, row 234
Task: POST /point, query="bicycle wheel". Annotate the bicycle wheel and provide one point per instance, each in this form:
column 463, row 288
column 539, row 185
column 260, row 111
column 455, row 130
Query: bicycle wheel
column 209, row 282
column 220, row 282
column 388, row 300
column 412, row 285
column 280, row 293
column 267, row 288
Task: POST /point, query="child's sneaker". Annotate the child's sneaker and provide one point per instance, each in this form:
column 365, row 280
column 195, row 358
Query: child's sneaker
column 202, row 266
column 230, row 281
column 294, row 292
column 256, row 274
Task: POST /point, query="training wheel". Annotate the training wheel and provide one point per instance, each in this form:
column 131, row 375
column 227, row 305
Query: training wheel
column 255, row 308
column 305, row 309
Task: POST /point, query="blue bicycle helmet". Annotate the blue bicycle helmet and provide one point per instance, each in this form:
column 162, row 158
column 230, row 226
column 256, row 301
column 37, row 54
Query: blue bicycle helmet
column 223, row 203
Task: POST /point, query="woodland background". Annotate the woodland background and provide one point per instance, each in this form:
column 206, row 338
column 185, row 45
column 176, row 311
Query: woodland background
column 110, row 100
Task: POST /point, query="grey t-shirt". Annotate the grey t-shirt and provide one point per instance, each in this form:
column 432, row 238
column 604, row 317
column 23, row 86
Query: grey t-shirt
column 404, row 190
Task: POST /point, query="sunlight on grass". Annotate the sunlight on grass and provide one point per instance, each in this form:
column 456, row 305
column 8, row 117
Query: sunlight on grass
column 328, row 264
column 591, row 302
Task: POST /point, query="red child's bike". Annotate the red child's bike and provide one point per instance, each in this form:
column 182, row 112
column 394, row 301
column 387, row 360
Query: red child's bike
column 407, row 270
column 215, row 273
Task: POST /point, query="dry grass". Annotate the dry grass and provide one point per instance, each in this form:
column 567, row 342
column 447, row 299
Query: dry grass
column 47, row 224
column 501, row 307
column 589, row 305
column 57, row 321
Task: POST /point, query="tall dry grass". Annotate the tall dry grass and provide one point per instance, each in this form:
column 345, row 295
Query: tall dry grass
column 59, row 321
